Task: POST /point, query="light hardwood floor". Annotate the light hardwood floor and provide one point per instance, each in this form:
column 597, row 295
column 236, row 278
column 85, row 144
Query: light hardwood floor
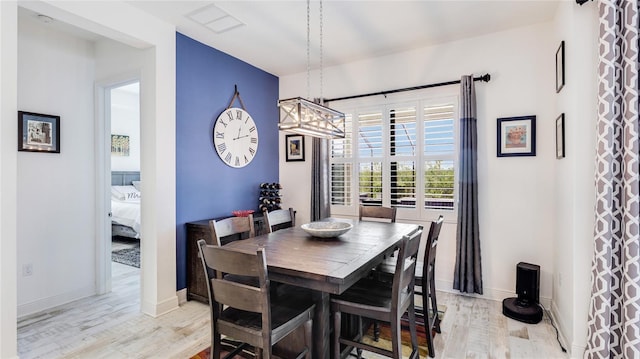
column 111, row 326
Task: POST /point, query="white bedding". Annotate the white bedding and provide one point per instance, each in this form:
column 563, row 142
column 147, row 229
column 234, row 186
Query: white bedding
column 125, row 207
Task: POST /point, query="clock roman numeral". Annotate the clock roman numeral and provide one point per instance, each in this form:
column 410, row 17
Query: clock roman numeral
column 238, row 115
column 219, row 134
column 222, row 147
column 248, row 118
column 254, row 140
column 227, row 159
column 252, row 151
column 230, row 115
column 224, row 123
column 246, row 160
column 237, row 161
column 253, row 128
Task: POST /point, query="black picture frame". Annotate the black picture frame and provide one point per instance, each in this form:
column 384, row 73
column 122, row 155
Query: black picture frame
column 516, row 136
column 38, row 132
column 560, row 67
column 294, row 148
column 560, row 148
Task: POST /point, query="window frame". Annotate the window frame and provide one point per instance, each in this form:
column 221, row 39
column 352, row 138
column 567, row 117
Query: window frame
column 419, row 100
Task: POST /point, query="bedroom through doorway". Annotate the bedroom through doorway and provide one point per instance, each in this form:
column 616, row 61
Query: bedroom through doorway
column 123, row 104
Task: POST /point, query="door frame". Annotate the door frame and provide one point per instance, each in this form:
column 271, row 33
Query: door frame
column 103, row 176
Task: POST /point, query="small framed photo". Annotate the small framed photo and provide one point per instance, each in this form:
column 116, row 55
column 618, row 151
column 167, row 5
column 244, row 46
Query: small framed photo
column 295, row 148
column 517, row 136
column 560, row 67
column 119, row 145
column 38, row 132
column 560, row 136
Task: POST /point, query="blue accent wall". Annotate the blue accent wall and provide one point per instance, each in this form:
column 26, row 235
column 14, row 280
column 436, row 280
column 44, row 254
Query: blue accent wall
column 205, row 186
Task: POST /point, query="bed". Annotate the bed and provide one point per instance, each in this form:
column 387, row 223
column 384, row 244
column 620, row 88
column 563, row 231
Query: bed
column 125, row 204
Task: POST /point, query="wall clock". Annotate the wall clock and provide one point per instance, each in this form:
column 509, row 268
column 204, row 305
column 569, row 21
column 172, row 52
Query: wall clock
column 235, row 137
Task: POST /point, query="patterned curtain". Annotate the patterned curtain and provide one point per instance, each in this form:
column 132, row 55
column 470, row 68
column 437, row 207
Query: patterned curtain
column 614, row 311
column 468, row 270
column 320, row 207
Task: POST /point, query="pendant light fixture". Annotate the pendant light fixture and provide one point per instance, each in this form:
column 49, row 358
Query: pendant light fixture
column 305, row 117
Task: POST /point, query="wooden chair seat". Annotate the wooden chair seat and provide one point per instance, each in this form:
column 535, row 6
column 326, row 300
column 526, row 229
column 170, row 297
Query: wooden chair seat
column 279, row 219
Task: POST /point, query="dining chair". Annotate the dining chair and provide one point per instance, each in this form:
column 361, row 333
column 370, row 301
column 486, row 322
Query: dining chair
column 279, row 219
column 232, row 228
column 249, row 314
column 425, row 281
column 376, row 300
column 378, row 212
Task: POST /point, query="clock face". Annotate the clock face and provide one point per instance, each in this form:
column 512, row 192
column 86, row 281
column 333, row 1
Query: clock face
column 235, row 137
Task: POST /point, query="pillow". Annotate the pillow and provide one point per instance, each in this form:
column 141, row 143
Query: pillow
column 136, row 184
column 125, row 193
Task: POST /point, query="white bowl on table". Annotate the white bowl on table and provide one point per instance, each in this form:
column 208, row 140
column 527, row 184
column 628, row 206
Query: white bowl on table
column 326, row 229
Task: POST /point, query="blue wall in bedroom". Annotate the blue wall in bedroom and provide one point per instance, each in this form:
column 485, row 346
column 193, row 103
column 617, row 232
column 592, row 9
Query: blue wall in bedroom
column 205, row 186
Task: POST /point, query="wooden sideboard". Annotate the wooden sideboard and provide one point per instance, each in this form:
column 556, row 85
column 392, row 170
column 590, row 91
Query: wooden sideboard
column 196, row 282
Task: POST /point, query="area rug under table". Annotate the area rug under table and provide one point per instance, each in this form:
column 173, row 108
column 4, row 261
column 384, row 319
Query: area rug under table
column 128, row 256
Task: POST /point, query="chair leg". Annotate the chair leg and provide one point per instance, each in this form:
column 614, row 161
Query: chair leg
column 412, row 331
column 434, row 301
column 396, row 336
column 308, row 338
column 376, row 331
column 359, row 350
column 215, row 346
column 337, row 322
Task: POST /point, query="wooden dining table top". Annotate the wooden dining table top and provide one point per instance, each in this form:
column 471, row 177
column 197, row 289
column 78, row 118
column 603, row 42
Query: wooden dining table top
column 328, row 265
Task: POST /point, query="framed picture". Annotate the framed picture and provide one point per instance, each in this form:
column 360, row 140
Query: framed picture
column 295, row 148
column 38, row 132
column 517, row 136
column 560, row 67
column 119, row 145
column 560, row 136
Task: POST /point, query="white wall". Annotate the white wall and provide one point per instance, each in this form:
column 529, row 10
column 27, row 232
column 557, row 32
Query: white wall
column 56, row 210
column 574, row 177
column 125, row 120
column 517, row 196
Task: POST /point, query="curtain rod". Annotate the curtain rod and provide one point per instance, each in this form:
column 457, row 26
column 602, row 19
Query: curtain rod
column 485, row 78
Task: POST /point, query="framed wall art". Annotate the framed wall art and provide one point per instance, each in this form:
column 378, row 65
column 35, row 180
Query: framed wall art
column 295, row 148
column 560, row 67
column 516, row 136
column 38, row 132
column 119, row 145
column 560, row 136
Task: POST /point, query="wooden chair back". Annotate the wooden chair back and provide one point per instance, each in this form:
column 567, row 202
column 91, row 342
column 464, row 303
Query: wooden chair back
column 378, row 212
column 239, row 227
column 279, row 219
column 405, row 272
column 429, row 260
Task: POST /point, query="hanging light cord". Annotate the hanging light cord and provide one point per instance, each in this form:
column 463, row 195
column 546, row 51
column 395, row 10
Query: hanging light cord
column 308, row 51
column 321, row 57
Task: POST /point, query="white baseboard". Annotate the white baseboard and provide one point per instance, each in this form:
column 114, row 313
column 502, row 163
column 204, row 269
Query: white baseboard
column 488, row 293
column 47, row 304
column 160, row 308
column 182, row 296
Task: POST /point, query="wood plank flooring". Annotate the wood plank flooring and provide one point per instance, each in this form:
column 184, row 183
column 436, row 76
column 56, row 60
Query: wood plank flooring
column 111, row 326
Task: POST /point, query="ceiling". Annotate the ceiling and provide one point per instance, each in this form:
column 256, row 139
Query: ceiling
column 272, row 35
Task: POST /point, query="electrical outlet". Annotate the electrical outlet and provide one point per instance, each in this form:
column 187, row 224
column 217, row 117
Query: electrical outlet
column 27, row 270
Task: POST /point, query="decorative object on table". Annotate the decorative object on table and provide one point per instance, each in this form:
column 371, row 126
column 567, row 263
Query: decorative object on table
column 235, row 135
column 304, row 117
column 516, row 136
column 119, row 145
column 294, row 147
column 560, row 136
column 326, row 229
column 560, row 67
column 242, row 212
column 38, row 132
column 270, row 198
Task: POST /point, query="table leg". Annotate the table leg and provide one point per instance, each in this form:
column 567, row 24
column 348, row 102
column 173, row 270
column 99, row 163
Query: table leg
column 321, row 325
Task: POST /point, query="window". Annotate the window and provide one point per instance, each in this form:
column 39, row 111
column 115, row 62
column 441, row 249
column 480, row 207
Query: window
column 397, row 154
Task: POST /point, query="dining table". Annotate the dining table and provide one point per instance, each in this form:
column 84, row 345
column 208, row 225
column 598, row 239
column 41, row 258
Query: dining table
column 326, row 265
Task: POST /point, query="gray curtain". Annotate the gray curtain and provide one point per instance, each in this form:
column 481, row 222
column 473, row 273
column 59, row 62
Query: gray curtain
column 614, row 310
column 468, row 268
column 320, row 199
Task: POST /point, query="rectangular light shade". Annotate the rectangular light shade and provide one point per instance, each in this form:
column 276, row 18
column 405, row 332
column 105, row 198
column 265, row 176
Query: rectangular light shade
column 304, row 117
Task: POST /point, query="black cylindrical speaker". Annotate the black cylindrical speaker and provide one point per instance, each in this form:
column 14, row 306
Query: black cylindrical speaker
column 528, row 283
